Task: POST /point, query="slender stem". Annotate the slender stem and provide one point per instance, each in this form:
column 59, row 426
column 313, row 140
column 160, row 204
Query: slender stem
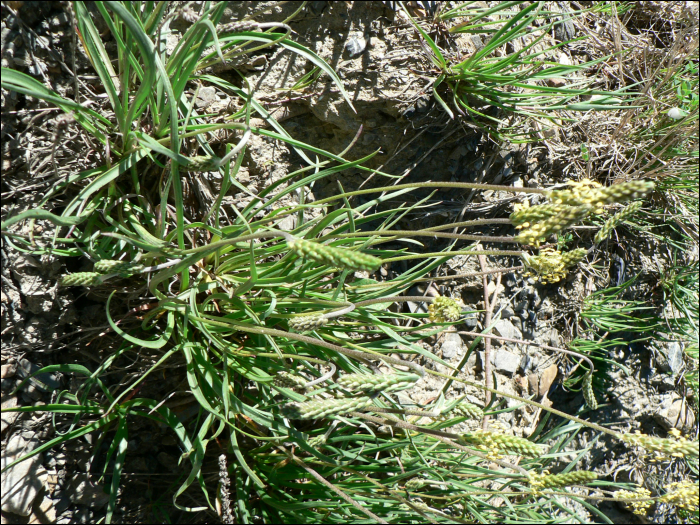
column 441, row 277
column 338, row 313
column 435, row 234
column 396, row 299
column 446, row 437
column 323, row 378
column 239, row 147
column 487, row 341
column 172, row 262
column 531, row 343
column 530, row 402
column 404, row 411
column 306, row 339
column 244, row 238
column 452, row 254
column 330, row 486
column 444, row 185
column 478, row 222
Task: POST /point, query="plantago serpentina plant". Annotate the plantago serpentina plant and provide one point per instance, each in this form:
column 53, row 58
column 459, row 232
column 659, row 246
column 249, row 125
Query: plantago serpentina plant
column 511, row 73
column 263, row 318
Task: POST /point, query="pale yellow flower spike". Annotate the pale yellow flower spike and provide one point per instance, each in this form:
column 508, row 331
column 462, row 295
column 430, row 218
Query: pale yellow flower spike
column 683, row 494
column 638, row 507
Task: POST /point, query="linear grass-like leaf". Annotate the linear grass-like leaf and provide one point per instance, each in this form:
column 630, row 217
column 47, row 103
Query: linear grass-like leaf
column 103, row 422
column 22, row 83
column 501, row 36
column 120, row 445
column 147, row 53
column 102, row 180
column 295, row 48
column 159, row 342
column 100, row 60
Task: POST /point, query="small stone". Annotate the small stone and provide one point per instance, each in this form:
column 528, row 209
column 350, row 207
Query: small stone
column 506, row 362
column 533, row 382
column 8, row 370
column 356, row 45
column 507, row 312
column 471, row 321
column 510, row 280
column 471, row 365
column 32, row 392
column 45, row 382
column 22, row 483
column 505, row 328
column 206, row 97
column 288, row 223
column 528, row 363
column 8, row 418
column 547, row 378
column 672, row 358
column 519, row 306
column 674, row 412
column 44, row 512
column 84, row 492
column 452, row 346
column 522, row 384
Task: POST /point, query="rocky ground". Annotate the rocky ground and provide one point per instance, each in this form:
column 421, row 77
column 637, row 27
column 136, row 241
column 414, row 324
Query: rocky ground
column 388, row 76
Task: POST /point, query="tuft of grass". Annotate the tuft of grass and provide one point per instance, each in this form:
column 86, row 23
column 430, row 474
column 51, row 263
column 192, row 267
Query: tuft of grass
column 514, row 86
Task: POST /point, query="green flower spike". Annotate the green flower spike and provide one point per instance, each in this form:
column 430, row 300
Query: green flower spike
column 81, row 279
column 616, row 219
column 307, row 323
column 683, row 494
column 377, row 383
column 638, row 507
column 665, row 448
column 332, row 256
column 461, row 409
column 118, row 267
column 550, row 481
column 551, row 265
column 325, row 407
column 318, row 441
column 546, row 267
column 444, row 309
column 587, row 390
column 497, row 443
column 203, row 163
column 287, row 380
column 237, row 27
column 572, row 258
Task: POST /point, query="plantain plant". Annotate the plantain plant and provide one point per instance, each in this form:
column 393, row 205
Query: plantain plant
column 292, row 356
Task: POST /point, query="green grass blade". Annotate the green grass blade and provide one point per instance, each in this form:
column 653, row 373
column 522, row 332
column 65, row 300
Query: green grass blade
column 159, row 342
column 23, row 83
